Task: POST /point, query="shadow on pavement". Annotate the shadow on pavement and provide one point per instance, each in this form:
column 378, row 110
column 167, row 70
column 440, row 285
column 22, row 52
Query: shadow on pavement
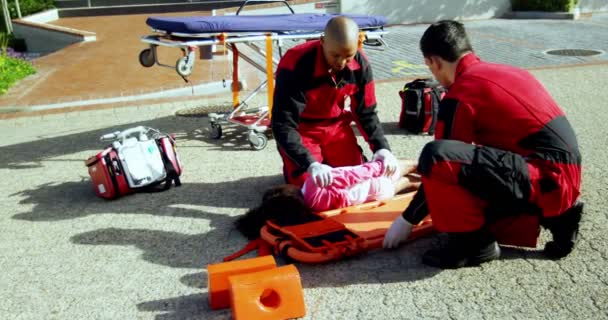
column 392, row 128
column 29, row 155
column 74, row 200
column 172, row 249
column 55, row 202
column 234, row 138
column 378, row 266
column 71, row 200
column 512, row 253
column 192, row 306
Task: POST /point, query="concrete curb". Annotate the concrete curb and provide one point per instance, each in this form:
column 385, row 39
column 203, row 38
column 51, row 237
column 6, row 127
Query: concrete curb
column 199, row 90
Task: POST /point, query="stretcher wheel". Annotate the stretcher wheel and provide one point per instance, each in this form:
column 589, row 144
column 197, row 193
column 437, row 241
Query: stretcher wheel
column 182, row 67
column 216, row 131
column 146, row 58
column 258, row 141
column 372, row 42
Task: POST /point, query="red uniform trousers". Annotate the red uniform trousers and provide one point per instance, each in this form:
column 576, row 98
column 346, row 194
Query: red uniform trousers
column 467, row 187
column 330, row 142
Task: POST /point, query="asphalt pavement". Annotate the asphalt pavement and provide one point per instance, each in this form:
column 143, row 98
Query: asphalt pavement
column 67, row 254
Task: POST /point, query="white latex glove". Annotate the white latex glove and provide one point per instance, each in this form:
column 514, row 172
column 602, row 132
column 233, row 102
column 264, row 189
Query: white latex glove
column 388, row 159
column 399, row 230
column 321, row 174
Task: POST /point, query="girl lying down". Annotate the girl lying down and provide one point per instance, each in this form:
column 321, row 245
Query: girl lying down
column 290, row 205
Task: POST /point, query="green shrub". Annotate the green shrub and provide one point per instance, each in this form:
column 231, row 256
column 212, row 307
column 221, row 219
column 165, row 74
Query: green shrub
column 29, row 7
column 543, row 5
column 13, row 70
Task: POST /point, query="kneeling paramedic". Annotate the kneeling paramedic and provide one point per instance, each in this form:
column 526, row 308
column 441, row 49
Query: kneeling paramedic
column 311, row 121
column 503, row 150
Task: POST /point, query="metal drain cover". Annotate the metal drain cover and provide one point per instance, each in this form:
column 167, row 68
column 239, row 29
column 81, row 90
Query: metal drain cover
column 574, row 52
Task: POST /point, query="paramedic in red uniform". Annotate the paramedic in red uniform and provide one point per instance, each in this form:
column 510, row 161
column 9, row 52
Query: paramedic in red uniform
column 503, row 149
column 310, row 121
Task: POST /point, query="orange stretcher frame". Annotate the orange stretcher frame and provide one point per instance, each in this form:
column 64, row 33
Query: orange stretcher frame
column 342, row 232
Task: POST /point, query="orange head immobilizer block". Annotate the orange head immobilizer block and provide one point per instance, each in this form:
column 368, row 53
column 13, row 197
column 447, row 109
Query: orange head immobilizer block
column 217, row 277
column 274, row 294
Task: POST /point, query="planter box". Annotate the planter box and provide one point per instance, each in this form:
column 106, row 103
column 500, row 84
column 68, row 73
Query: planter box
column 46, row 38
column 573, row 15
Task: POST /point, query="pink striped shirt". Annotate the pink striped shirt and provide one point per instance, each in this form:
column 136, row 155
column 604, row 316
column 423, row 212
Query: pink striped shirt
column 351, row 186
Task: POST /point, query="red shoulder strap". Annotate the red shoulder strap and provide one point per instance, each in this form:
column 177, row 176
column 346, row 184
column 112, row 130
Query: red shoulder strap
column 262, row 246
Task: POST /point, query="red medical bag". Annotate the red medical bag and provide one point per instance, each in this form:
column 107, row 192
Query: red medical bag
column 139, row 159
column 107, row 175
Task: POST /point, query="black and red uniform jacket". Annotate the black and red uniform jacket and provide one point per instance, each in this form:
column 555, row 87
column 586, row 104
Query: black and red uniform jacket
column 504, row 107
column 306, row 92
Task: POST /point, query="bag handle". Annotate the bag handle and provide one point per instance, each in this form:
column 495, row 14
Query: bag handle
column 140, row 131
column 421, row 83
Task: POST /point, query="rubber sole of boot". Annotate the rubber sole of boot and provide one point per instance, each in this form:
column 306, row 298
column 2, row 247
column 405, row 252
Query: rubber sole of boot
column 565, row 233
column 438, row 259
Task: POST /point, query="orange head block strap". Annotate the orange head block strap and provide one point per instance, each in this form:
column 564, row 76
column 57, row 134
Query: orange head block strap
column 269, row 72
column 235, row 76
column 361, row 39
column 258, row 244
column 217, row 277
column 274, row 294
column 222, row 37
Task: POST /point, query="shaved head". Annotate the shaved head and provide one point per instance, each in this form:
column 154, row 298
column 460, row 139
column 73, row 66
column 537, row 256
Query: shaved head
column 342, row 30
column 340, row 42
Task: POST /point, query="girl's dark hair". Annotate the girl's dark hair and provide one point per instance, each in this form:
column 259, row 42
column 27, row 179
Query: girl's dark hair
column 284, row 204
column 446, row 39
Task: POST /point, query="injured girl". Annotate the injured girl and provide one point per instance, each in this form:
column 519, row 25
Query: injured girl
column 290, row 205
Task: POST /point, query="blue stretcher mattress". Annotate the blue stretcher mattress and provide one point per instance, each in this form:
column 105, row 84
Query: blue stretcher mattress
column 303, row 22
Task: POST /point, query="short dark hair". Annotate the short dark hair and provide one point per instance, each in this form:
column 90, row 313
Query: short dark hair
column 446, row 39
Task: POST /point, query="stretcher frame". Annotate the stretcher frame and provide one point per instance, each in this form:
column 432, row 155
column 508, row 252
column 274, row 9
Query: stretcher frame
column 256, row 120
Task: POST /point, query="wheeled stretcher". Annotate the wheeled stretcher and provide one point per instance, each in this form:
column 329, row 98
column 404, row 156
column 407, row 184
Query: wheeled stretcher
column 190, row 33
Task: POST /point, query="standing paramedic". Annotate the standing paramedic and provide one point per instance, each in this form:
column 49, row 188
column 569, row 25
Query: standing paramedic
column 503, row 150
column 310, row 122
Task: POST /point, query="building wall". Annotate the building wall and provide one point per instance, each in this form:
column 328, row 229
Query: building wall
column 417, row 11
column 320, row 7
column 593, row 5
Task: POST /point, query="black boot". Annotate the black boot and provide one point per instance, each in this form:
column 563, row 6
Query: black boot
column 463, row 249
column 564, row 229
